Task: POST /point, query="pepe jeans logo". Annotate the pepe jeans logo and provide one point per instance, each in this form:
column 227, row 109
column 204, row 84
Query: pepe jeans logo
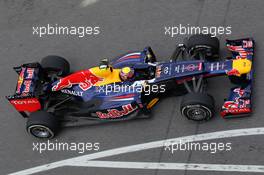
column 114, row 113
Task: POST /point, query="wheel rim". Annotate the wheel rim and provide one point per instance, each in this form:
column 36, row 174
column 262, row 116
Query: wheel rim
column 197, row 112
column 40, row 131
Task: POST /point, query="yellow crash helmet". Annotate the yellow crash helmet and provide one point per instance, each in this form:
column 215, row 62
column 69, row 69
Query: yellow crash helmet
column 126, row 73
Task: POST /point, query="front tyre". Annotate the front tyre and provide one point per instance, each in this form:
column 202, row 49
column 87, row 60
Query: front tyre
column 205, row 44
column 42, row 124
column 197, row 106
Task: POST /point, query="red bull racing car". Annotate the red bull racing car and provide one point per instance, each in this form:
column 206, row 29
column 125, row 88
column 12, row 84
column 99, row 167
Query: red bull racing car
column 50, row 96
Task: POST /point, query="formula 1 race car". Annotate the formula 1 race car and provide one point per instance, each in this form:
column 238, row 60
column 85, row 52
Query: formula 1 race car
column 49, row 96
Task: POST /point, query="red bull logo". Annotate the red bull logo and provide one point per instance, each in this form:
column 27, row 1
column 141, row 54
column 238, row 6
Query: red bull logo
column 27, row 84
column 114, row 113
column 230, row 104
column 85, row 80
column 30, row 73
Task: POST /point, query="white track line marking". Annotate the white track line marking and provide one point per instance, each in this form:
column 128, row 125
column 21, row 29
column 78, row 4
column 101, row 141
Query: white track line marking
column 80, row 160
column 173, row 166
column 85, row 3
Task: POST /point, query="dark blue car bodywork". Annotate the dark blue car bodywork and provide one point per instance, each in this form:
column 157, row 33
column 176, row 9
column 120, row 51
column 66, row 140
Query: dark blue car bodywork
column 96, row 103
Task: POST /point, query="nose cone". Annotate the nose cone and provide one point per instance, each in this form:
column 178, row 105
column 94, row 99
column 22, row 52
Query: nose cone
column 243, row 66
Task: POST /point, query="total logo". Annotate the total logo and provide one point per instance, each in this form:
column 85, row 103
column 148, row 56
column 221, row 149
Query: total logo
column 114, row 113
column 28, row 104
column 24, row 102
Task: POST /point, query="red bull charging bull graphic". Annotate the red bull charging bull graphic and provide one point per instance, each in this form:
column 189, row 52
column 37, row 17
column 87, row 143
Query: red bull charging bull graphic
column 85, row 79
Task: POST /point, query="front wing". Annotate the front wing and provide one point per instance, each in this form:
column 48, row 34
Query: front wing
column 239, row 102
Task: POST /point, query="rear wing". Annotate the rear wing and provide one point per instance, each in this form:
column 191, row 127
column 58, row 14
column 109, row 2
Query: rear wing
column 239, row 102
column 25, row 99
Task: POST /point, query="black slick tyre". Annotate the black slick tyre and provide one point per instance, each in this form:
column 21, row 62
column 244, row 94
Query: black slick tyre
column 56, row 64
column 205, row 44
column 197, row 106
column 42, row 124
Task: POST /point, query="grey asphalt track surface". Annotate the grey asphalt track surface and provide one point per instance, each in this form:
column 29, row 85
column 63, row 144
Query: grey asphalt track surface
column 126, row 25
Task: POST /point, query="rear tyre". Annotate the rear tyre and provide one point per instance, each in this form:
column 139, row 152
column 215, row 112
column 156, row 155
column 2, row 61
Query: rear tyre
column 205, row 44
column 197, row 106
column 42, row 124
column 55, row 64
